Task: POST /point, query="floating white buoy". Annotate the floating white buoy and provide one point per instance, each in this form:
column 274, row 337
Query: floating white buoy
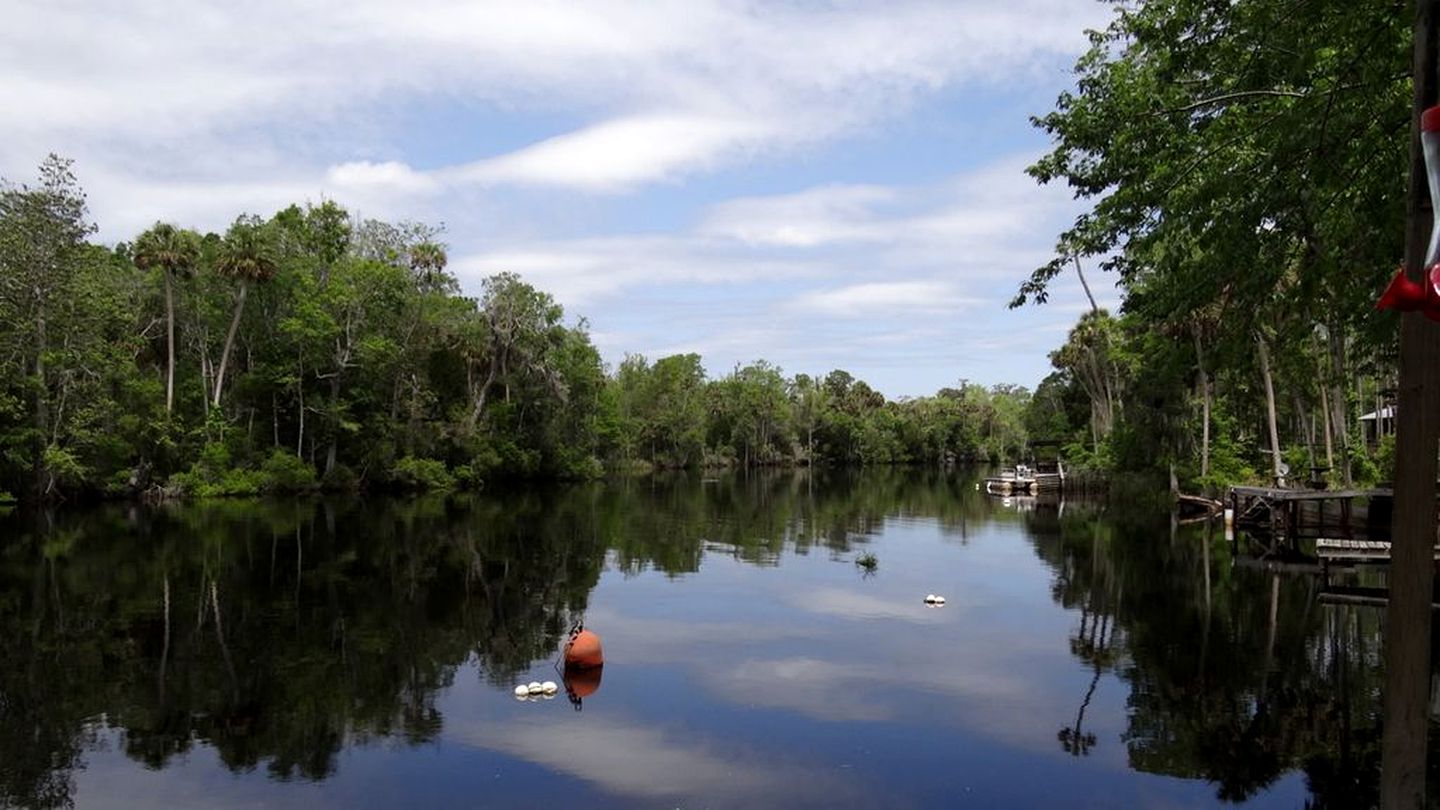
column 930, row 598
column 548, row 696
column 535, row 688
column 522, row 690
column 549, row 687
column 939, row 600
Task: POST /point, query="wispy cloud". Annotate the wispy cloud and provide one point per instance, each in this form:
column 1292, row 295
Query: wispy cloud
column 887, row 298
column 620, row 153
column 887, row 278
column 808, row 218
column 671, row 87
column 527, row 127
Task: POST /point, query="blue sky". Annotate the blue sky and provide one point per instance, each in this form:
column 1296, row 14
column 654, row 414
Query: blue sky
column 819, row 184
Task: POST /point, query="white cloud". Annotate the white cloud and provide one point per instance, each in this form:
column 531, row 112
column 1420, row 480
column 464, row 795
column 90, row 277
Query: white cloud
column 805, row 219
column 579, row 272
column 886, row 281
column 887, row 298
column 620, row 153
column 488, row 115
column 669, row 87
column 390, row 175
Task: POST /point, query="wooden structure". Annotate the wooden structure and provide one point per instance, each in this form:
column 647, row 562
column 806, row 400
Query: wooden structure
column 1295, row 514
column 1331, row 549
column 1362, row 595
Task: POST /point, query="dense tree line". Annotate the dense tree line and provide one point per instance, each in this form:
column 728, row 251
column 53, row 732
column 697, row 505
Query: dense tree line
column 315, row 349
column 1247, row 162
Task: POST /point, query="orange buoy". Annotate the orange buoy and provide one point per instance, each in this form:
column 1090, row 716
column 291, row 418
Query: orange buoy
column 582, row 651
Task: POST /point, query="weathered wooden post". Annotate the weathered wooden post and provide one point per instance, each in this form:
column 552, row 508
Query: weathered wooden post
column 1407, row 621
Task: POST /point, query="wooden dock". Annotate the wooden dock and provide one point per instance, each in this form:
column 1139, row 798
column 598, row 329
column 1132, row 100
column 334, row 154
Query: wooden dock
column 1312, row 513
column 1332, row 549
column 1328, row 533
column 1359, row 595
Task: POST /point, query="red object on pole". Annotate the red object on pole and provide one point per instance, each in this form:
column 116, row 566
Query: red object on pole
column 1402, row 294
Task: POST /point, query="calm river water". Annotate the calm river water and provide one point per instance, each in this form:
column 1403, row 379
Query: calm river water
column 363, row 653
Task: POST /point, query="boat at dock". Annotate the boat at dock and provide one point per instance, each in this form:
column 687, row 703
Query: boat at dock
column 1025, row 480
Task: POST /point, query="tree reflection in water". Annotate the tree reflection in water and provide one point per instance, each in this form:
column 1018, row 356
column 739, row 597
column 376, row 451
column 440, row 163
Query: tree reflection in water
column 279, row 632
column 1234, row 675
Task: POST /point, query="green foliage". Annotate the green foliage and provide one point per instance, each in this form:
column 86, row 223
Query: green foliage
column 1228, row 465
column 283, row 471
column 468, row 478
column 1385, row 458
column 421, row 475
column 312, row 351
column 62, row 468
column 201, row 483
column 1245, row 167
column 1366, row 471
column 340, row 478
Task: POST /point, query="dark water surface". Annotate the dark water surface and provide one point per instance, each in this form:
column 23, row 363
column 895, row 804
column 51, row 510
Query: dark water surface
column 363, row 653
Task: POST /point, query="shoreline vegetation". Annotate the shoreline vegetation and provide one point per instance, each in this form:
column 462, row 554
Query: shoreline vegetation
column 1245, row 169
column 1243, row 172
column 317, row 351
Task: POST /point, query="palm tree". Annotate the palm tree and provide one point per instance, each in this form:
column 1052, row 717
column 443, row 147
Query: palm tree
column 173, row 250
column 427, row 262
column 247, row 254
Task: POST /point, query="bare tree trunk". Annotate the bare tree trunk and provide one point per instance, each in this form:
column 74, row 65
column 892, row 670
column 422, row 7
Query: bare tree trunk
column 1412, row 580
column 480, row 397
column 1329, row 431
column 1340, row 421
column 230, row 342
column 42, row 392
column 1297, row 426
column 1204, row 408
column 205, row 376
column 169, row 343
column 1269, row 406
column 333, row 450
column 300, row 411
column 1085, row 285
